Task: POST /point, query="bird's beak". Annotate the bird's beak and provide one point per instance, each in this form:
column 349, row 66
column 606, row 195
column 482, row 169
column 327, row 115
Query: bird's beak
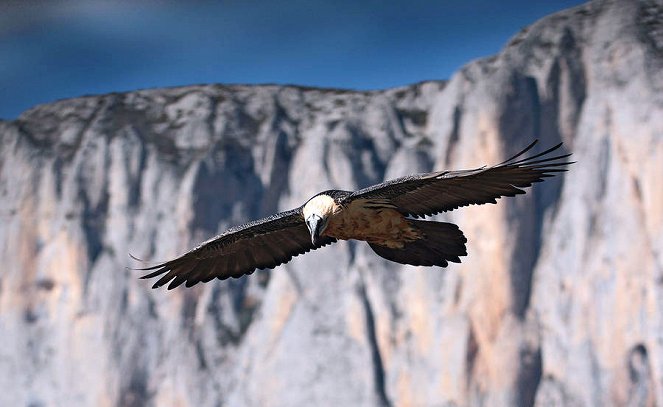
column 315, row 226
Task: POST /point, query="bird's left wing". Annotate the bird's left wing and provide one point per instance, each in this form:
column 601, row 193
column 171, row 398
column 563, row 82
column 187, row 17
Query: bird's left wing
column 427, row 194
column 261, row 244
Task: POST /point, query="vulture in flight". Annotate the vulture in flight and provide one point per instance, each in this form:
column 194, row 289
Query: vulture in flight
column 384, row 215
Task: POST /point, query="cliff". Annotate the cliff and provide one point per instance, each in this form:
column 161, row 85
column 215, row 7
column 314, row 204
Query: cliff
column 559, row 302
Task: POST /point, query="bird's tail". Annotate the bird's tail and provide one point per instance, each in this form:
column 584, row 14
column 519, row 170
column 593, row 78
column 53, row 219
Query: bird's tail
column 441, row 243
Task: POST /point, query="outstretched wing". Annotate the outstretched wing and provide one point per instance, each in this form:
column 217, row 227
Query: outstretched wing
column 261, row 244
column 427, row 194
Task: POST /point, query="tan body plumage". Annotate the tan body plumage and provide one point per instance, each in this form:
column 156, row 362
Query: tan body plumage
column 372, row 221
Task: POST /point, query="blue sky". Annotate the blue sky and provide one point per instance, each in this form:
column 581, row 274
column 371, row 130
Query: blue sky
column 66, row 48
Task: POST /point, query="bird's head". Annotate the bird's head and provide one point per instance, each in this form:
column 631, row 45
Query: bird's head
column 317, row 212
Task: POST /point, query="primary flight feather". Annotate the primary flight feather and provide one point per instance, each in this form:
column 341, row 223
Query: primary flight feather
column 384, row 215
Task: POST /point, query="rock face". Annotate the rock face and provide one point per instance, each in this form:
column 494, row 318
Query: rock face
column 559, row 302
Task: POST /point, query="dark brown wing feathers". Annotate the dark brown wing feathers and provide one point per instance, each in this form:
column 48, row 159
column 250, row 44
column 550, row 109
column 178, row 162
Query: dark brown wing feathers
column 261, row 244
column 428, row 194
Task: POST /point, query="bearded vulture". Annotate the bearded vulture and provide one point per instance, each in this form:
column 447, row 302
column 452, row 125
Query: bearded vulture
column 384, row 215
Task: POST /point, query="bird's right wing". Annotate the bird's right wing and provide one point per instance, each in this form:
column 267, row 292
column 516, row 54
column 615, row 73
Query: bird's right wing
column 427, row 194
column 261, row 244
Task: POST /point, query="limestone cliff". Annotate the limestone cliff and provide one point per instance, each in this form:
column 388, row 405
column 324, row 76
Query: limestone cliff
column 559, row 302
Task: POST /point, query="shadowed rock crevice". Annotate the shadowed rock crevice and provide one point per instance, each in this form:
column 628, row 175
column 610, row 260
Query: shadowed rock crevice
column 378, row 367
column 413, row 118
column 520, row 120
column 281, row 156
column 135, row 180
column 188, row 311
column 572, row 84
column 525, row 115
column 639, row 374
column 225, row 334
column 94, row 222
column 134, row 392
column 471, row 356
column 226, row 187
column 455, row 133
column 529, row 375
column 650, row 14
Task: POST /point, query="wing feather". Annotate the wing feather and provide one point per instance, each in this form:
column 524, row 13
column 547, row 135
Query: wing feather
column 265, row 243
column 431, row 193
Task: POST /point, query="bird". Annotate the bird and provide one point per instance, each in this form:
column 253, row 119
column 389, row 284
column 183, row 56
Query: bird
column 388, row 216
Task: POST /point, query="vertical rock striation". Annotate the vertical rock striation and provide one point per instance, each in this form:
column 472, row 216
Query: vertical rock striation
column 559, row 302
